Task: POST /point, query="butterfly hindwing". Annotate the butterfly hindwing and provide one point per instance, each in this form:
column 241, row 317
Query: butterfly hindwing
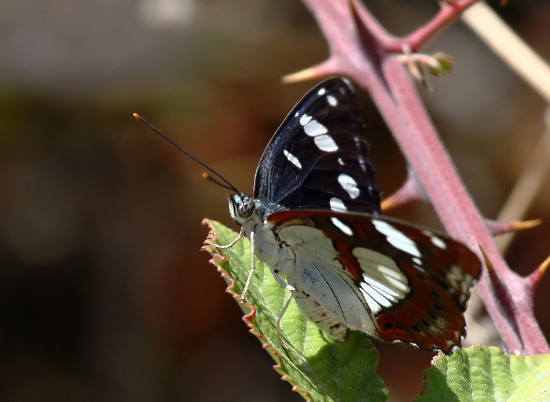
column 317, row 159
column 378, row 281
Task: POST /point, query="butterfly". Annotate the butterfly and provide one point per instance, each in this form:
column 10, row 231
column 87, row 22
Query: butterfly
column 315, row 220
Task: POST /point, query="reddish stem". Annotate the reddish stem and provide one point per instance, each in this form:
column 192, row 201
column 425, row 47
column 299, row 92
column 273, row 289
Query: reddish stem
column 365, row 54
column 418, row 38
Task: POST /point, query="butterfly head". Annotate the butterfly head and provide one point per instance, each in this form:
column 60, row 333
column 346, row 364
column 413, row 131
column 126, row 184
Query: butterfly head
column 241, row 207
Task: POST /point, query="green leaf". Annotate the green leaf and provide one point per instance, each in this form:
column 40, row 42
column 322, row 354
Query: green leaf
column 320, row 368
column 487, row 374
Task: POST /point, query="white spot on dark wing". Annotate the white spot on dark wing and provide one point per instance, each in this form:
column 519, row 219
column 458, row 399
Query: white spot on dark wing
column 388, row 269
column 380, row 267
column 460, row 281
column 332, row 101
column 349, row 184
column 438, row 242
column 420, row 268
column 341, row 162
column 380, row 300
column 342, row 226
column 318, row 131
column 384, row 290
column 383, row 284
column 313, row 128
column 325, row 143
column 455, row 276
column 397, row 238
column 397, row 284
column 373, row 305
column 304, row 119
column 336, row 204
column 347, row 82
column 417, row 261
column 321, row 91
column 292, row 159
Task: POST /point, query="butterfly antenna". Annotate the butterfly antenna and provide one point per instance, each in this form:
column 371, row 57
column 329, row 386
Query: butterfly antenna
column 206, row 176
column 223, row 183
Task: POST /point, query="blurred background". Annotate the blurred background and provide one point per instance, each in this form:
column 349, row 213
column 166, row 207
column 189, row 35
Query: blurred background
column 104, row 294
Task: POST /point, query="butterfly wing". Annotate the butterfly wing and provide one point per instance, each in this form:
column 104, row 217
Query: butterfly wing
column 390, row 279
column 354, row 270
column 317, row 158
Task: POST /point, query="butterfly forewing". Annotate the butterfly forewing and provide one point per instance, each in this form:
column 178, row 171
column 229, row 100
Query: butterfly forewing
column 317, row 159
column 412, row 283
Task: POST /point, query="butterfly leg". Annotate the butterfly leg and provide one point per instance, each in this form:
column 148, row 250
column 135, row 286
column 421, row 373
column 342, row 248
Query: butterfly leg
column 229, row 245
column 291, row 289
column 279, row 318
column 252, row 264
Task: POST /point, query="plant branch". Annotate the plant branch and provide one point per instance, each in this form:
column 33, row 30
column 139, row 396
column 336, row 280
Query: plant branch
column 363, row 54
column 448, row 13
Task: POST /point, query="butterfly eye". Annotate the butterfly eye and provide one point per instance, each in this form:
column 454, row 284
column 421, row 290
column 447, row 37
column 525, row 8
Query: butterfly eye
column 245, row 207
column 241, row 206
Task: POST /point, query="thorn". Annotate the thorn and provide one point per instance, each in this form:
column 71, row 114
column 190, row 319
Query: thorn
column 500, row 291
column 407, row 193
column 535, row 277
column 486, row 259
column 320, row 70
column 524, row 225
column 493, row 275
column 543, row 267
column 303, row 75
column 500, row 228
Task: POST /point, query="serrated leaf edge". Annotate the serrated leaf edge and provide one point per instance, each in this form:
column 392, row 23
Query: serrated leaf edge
column 217, row 260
